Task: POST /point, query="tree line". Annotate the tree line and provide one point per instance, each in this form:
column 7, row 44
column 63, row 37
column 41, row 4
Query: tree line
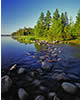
column 56, row 27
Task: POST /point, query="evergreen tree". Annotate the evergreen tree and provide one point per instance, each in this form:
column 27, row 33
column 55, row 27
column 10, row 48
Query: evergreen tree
column 39, row 28
column 65, row 19
column 47, row 22
column 77, row 24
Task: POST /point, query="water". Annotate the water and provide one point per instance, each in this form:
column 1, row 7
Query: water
column 13, row 52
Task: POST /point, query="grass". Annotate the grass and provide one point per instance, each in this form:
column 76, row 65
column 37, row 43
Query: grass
column 31, row 38
column 76, row 41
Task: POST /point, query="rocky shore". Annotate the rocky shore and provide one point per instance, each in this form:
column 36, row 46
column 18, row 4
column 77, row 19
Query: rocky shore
column 50, row 81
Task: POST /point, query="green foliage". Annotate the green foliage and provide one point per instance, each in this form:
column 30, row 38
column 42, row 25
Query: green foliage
column 58, row 27
column 23, row 32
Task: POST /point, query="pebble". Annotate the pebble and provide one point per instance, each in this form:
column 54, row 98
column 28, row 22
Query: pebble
column 6, row 83
column 69, row 87
column 22, row 94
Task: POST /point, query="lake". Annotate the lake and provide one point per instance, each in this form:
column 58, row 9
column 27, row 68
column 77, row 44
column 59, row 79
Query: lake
column 14, row 52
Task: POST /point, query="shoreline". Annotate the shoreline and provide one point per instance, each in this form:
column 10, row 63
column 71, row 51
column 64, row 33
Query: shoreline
column 33, row 39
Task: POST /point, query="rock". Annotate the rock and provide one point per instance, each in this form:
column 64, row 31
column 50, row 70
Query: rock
column 21, row 70
column 33, row 56
column 59, row 59
column 77, row 84
column 69, row 87
column 52, row 95
column 36, row 82
column 28, row 78
column 23, row 95
column 49, row 60
column 42, row 88
column 42, row 57
column 28, row 54
column 32, row 74
column 40, row 97
column 6, row 83
column 72, row 76
column 46, row 66
column 60, row 76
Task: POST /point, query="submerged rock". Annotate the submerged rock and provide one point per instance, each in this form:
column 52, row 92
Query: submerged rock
column 21, row 70
column 23, row 95
column 69, row 87
column 40, row 97
column 42, row 88
column 36, row 82
column 6, row 83
column 52, row 95
column 46, row 66
column 42, row 57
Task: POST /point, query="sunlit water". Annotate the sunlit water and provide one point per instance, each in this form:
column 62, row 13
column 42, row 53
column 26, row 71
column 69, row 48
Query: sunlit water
column 13, row 52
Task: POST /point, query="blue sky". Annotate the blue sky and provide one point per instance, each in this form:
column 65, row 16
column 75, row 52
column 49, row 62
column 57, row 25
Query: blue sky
column 17, row 14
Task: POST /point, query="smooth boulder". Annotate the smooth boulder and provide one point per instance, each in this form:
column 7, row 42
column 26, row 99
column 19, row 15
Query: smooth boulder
column 69, row 87
column 23, row 95
column 6, row 83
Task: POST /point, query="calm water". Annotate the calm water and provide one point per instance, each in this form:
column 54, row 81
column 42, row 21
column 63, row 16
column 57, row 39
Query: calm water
column 14, row 52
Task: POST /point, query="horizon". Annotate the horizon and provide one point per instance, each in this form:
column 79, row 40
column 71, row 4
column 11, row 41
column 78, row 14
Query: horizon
column 17, row 14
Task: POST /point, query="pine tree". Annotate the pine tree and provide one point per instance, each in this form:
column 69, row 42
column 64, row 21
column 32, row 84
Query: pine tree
column 39, row 28
column 47, row 21
column 77, row 24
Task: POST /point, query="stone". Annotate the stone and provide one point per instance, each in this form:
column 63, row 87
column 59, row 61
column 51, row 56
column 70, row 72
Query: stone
column 42, row 57
column 69, row 87
column 32, row 74
column 53, row 95
column 77, row 84
column 6, row 83
column 28, row 54
column 23, row 95
column 72, row 76
column 61, row 76
column 21, row 70
column 36, row 82
column 28, row 78
column 59, row 59
column 40, row 97
column 46, row 66
column 42, row 88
